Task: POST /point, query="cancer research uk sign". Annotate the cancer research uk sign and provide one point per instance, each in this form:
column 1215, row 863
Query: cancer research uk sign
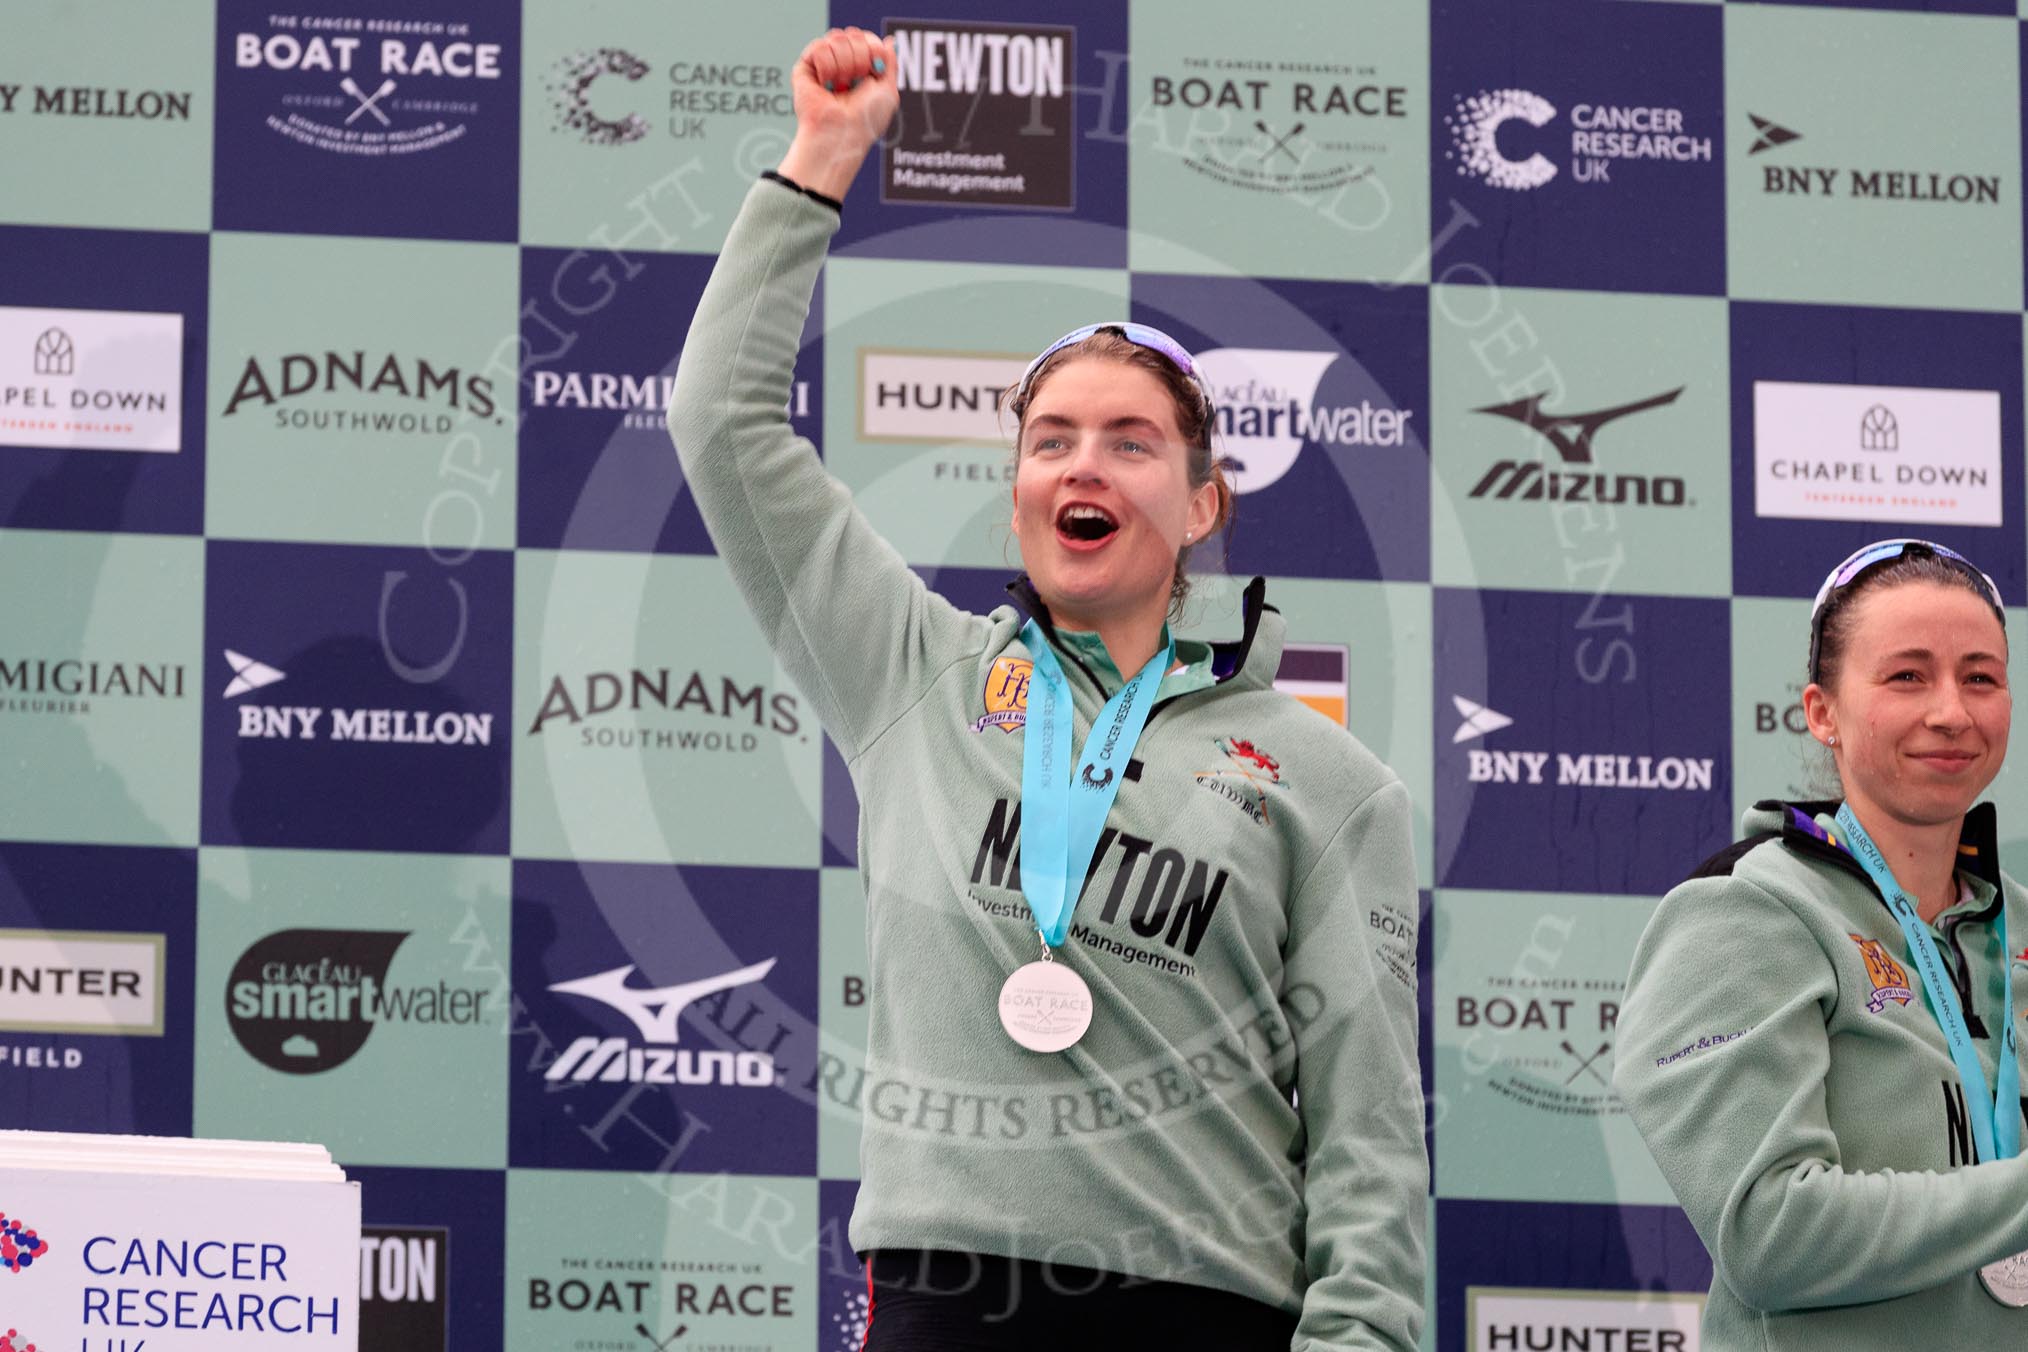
column 153, row 1263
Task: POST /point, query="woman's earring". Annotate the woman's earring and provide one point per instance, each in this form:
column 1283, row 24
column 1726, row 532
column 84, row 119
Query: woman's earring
column 1831, row 741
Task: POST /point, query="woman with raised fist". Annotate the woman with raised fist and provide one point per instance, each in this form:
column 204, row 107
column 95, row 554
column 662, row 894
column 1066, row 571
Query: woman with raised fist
column 1819, row 1034
column 1142, row 1063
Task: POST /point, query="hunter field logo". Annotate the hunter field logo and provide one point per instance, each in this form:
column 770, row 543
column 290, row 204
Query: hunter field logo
column 20, row 1246
column 1889, row 978
column 1006, row 694
column 91, row 380
column 78, row 981
column 1571, row 434
column 655, row 1012
column 1245, row 778
column 304, row 1001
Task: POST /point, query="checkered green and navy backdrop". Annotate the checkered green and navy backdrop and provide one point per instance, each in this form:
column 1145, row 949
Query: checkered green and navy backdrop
column 360, row 648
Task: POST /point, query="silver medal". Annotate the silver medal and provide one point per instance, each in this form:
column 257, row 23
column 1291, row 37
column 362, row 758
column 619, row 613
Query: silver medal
column 2007, row 1281
column 1045, row 1006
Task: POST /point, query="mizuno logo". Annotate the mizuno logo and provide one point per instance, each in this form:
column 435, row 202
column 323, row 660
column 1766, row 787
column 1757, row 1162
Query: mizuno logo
column 655, row 1011
column 1771, row 134
column 1479, row 720
column 248, row 674
column 1571, row 433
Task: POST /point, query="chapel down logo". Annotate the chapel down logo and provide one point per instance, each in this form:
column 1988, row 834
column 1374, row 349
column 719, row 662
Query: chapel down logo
column 1006, row 694
column 1889, row 978
column 1598, row 769
column 1572, row 435
column 1245, row 778
column 91, row 380
column 655, row 1012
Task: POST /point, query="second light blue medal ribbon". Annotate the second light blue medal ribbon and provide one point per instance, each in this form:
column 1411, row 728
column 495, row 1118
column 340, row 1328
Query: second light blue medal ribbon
column 1996, row 1115
column 1064, row 807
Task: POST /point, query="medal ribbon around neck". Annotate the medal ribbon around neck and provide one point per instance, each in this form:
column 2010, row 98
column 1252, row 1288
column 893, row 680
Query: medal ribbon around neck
column 1996, row 1116
column 1064, row 807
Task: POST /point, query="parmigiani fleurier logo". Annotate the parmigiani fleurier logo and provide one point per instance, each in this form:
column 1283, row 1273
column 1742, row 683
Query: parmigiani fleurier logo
column 1585, row 769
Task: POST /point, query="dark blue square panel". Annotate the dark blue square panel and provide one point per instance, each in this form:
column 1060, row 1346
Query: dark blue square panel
column 102, row 359
column 1583, row 742
column 1322, row 395
column 1583, row 139
column 601, row 336
column 357, row 697
column 1010, row 145
column 402, row 120
column 1533, row 1255
column 432, row 1247
column 97, row 963
column 1851, row 425
column 669, row 1019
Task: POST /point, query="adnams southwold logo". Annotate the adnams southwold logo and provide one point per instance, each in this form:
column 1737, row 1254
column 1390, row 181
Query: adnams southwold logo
column 1602, row 138
column 373, row 88
column 1877, row 453
column 1781, row 177
column 1602, row 769
column 595, row 95
column 666, row 709
column 303, row 1001
column 309, row 723
column 95, row 380
column 1572, row 437
column 656, row 1013
column 358, row 392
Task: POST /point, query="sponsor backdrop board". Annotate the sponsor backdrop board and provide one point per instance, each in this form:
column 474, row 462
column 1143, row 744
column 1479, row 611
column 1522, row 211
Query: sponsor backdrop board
column 392, row 760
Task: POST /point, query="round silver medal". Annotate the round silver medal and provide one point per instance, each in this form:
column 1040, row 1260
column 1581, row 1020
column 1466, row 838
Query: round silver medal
column 2007, row 1281
column 1045, row 1006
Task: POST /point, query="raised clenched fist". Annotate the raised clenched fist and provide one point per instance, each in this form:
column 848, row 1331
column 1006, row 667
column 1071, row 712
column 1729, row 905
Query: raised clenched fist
column 845, row 97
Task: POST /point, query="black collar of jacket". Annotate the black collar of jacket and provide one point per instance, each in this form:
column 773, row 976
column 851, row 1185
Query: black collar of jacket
column 1978, row 842
column 1227, row 658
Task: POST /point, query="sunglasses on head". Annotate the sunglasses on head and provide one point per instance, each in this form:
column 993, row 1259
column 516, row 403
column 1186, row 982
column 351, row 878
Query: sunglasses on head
column 1886, row 551
column 1141, row 335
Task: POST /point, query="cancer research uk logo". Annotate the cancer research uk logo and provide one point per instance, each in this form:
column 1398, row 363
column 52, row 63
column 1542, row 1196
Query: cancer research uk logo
column 91, row 380
column 20, row 1246
column 1602, row 137
column 700, row 92
column 1877, row 453
column 304, row 1001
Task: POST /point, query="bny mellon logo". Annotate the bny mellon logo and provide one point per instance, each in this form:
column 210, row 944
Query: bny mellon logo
column 1770, row 134
column 248, row 674
column 654, row 1012
column 1479, row 720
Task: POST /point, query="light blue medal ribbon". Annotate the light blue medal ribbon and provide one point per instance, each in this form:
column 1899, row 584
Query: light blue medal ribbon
column 1063, row 808
column 1996, row 1117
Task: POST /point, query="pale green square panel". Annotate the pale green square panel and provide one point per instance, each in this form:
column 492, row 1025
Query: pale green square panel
column 653, row 724
column 428, row 1085
column 362, row 391
column 592, row 1258
column 936, row 481
column 1384, row 629
column 106, row 113
column 1903, row 186
column 842, row 1016
column 1528, row 987
column 641, row 129
column 100, row 674
column 1286, row 140
column 1619, row 480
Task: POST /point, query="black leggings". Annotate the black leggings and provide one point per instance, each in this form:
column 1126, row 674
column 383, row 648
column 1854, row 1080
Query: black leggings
column 935, row 1301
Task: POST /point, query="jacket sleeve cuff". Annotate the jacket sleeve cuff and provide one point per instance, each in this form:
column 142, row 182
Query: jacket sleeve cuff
column 810, row 193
